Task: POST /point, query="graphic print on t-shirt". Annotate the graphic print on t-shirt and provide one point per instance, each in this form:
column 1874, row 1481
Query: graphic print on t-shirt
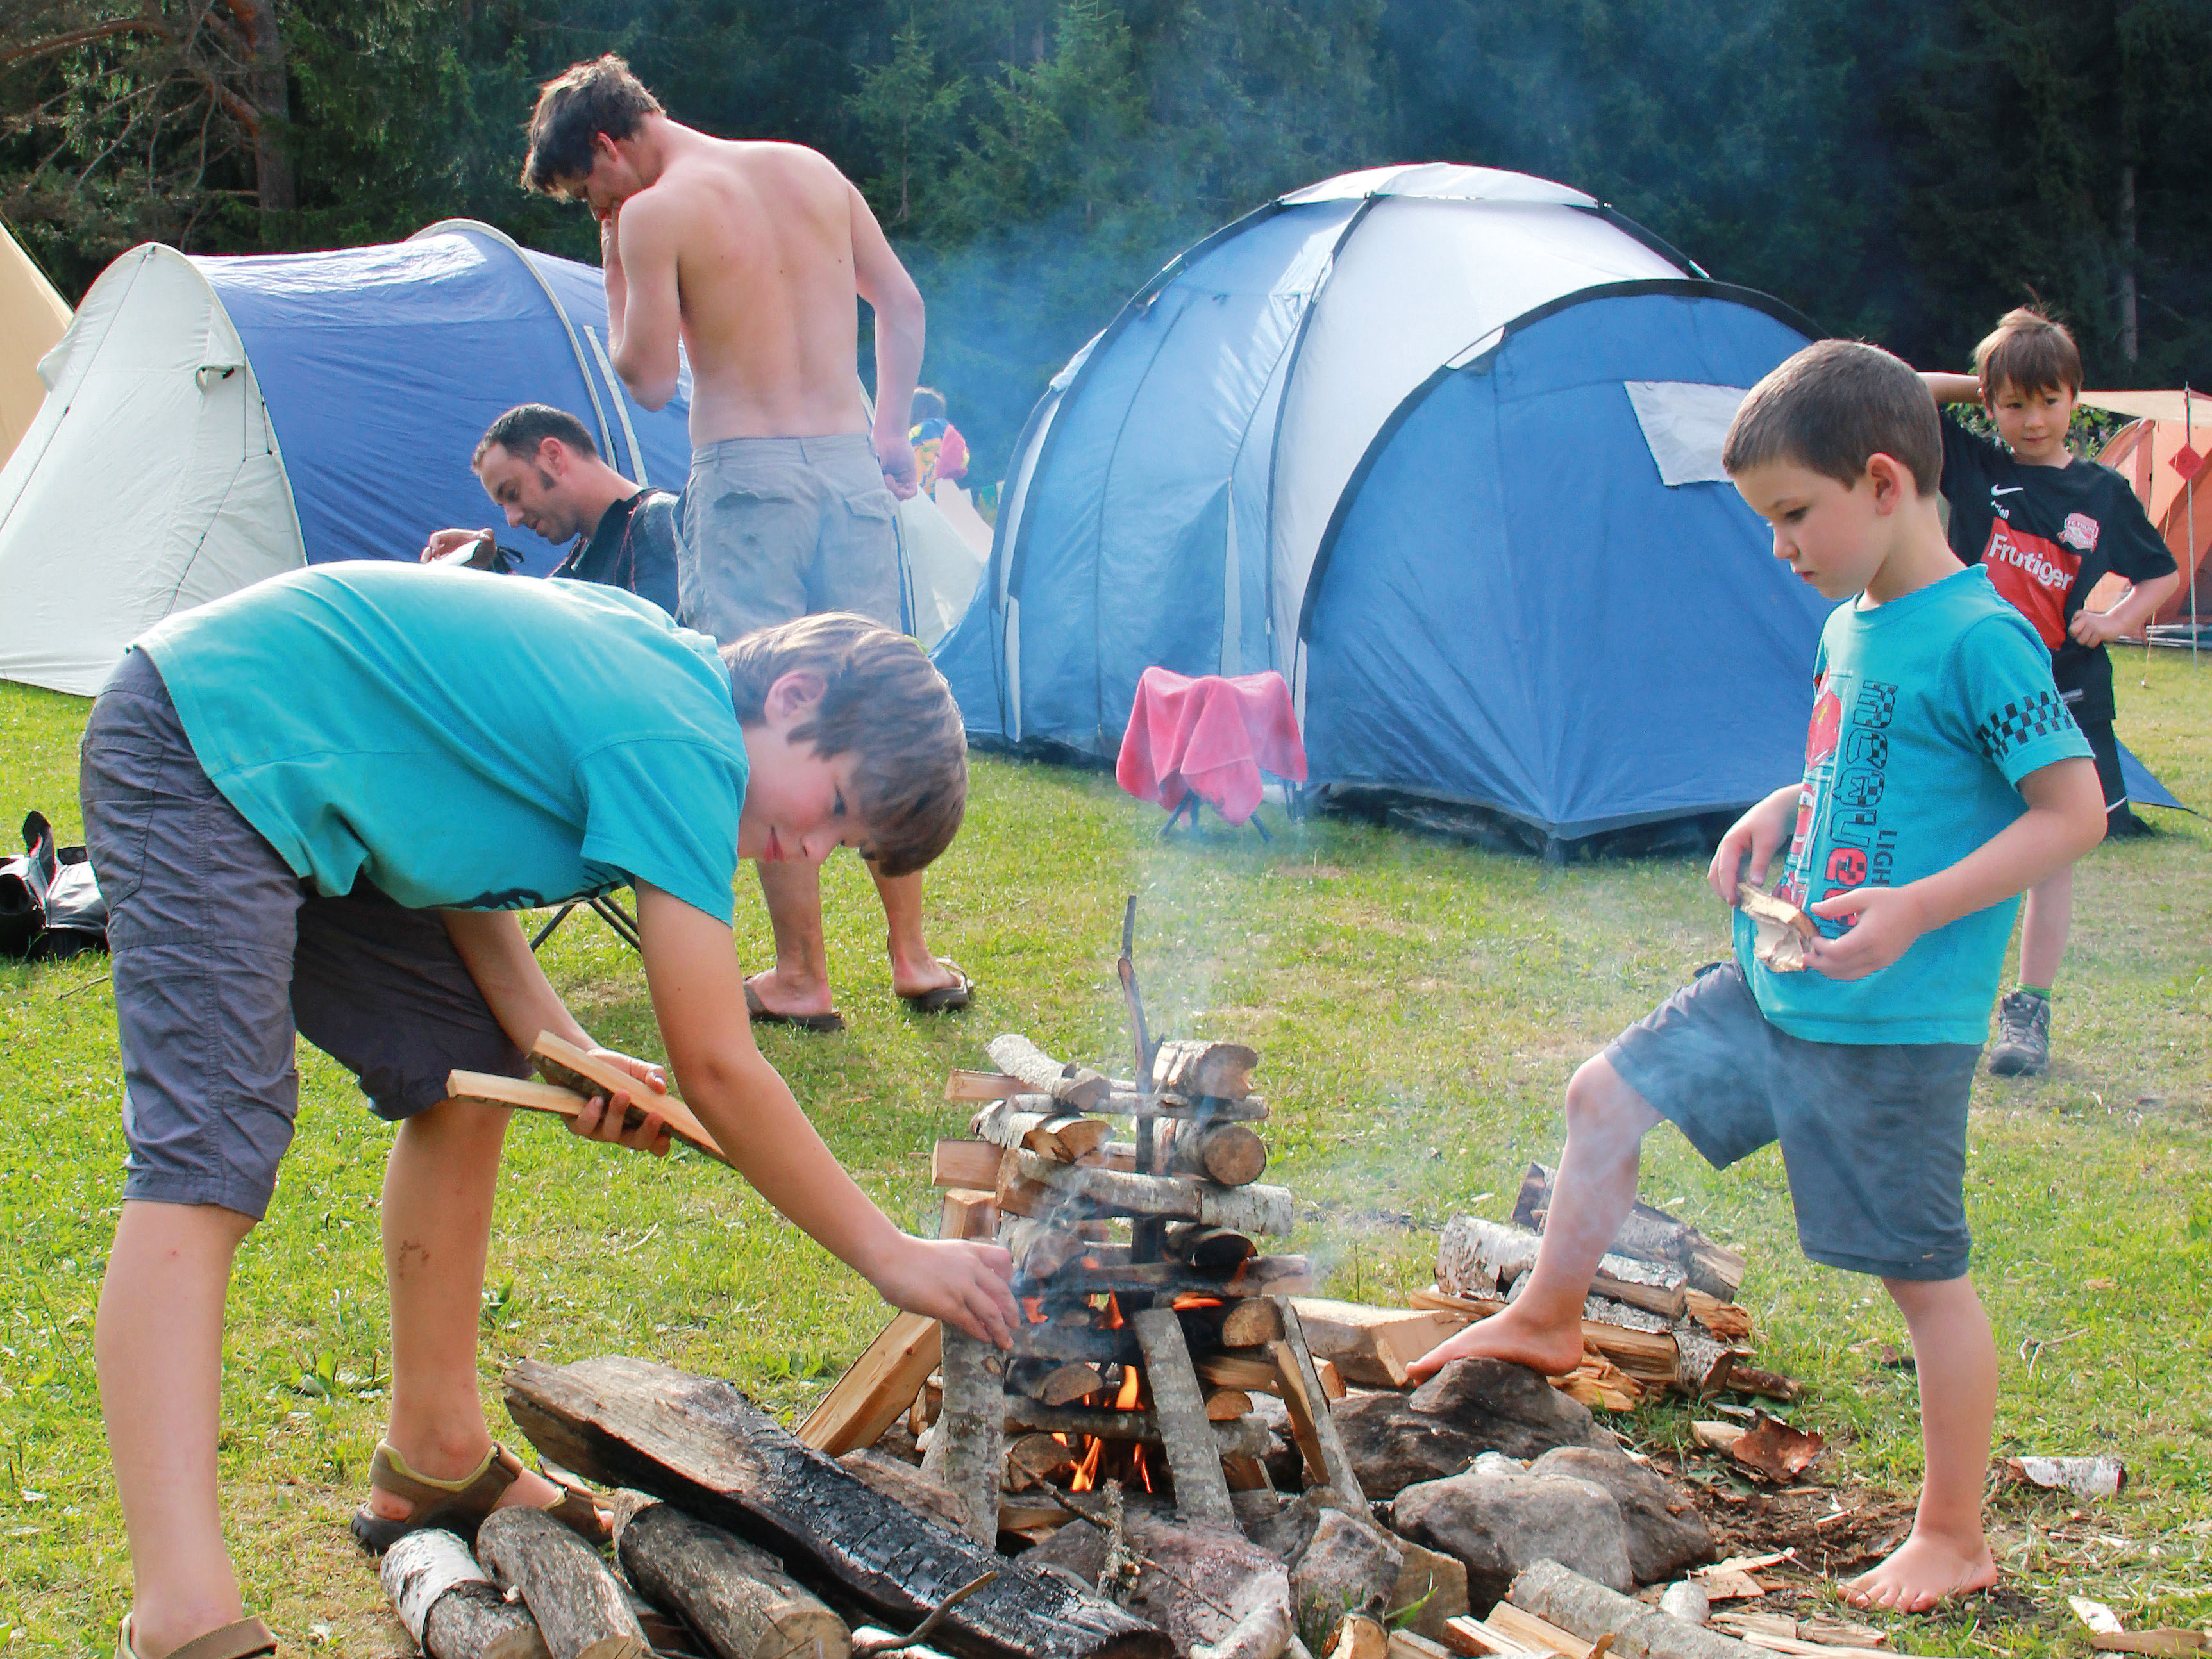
column 2035, row 575
column 1839, row 802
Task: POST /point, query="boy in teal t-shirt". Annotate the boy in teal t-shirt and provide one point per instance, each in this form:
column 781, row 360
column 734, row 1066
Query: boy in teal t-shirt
column 313, row 807
column 1942, row 777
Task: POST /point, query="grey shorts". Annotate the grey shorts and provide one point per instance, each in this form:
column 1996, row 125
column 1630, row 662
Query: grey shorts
column 779, row 528
column 221, row 953
column 1873, row 1135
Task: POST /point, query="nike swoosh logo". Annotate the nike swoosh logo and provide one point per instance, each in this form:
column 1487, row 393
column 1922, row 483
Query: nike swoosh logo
column 2006, row 489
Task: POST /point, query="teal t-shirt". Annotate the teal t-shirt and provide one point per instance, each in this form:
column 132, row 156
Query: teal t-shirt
column 1927, row 712
column 463, row 740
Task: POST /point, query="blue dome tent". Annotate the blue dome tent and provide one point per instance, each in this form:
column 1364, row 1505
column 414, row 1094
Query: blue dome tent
column 1440, row 445
column 210, row 421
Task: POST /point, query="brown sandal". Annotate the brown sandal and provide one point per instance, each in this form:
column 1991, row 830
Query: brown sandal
column 243, row 1640
column 461, row 1505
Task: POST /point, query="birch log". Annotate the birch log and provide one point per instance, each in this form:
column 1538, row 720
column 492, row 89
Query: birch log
column 449, row 1604
column 578, row 1604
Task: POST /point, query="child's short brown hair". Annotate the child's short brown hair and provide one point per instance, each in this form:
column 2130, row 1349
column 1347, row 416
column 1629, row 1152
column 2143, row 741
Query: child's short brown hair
column 883, row 702
column 1830, row 408
column 574, row 106
column 2029, row 351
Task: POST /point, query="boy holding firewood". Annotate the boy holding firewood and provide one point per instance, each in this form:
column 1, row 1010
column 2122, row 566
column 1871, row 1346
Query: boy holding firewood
column 1943, row 777
column 315, row 805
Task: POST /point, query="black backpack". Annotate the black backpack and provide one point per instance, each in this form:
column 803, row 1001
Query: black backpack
column 50, row 904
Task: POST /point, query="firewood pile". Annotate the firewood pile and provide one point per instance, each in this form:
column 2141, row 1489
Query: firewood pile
column 1662, row 1313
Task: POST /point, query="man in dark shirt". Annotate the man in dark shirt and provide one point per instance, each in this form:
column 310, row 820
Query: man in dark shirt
column 2049, row 526
column 541, row 466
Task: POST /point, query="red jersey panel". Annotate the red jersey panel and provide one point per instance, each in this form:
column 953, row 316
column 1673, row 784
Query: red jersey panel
column 2035, row 576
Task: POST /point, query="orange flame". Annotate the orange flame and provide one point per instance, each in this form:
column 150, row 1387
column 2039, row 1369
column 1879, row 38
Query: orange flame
column 1133, row 1383
column 1197, row 1299
column 1113, row 1321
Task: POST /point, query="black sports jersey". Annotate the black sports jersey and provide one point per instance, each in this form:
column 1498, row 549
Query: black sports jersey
column 2048, row 535
column 633, row 548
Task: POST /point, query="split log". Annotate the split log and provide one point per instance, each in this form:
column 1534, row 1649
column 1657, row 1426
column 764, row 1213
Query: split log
column 1208, row 1247
column 1130, row 1101
column 1227, row 1152
column 580, row 1606
column 1227, row 1405
column 965, row 1454
column 1049, row 1384
column 565, row 1064
column 1076, row 1088
column 968, row 1213
column 738, row 1599
column 1246, row 1437
column 900, row 1481
column 488, row 1089
column 1201, row 1494
column 1590, row 1611
column 1037, row 1459
column 1260, row 1275
column 1531, row 1635
column 968, row 1164
column 1771, row 1385
column 1373, row 1345
column 1648, row 1235
column 1648, row 1356
column 1053, row 1130
column 876, row 1389
column 449, row 1604
column 700, row 1444
column 1780, row 930
column 1040, row 1249
column 1328, row 1464
column 1222, row 1070
column 969, row 1087
column 1067, row 1340
column 1019, row 1197
column 1253, row 1323
column 1253, row 1209
column 1701, row 1364
column 1726, row 1320
column 1249, row 1372
column 1479, row 1258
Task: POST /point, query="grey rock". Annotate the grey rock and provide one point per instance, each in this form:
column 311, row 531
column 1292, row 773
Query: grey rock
column 1498, row 1524
column 1471, row 1406
column 1665, row 1534
column 1432, row 1582
column 1686, row 1600
column 1349, row 1565
column 1500, row 1463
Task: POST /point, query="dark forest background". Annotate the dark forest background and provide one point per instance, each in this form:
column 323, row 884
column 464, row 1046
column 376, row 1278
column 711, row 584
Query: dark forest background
column 1899, row 171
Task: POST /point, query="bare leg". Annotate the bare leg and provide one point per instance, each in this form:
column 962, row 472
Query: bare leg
column 1946, row 1554
column 158, row 1345
column 1607, row 1121
column 915, row 967
column 2044, row 927
column 799, row 981
column 437, row 1232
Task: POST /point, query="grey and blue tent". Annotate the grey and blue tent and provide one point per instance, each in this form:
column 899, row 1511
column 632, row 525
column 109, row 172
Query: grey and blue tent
column 1440, row 445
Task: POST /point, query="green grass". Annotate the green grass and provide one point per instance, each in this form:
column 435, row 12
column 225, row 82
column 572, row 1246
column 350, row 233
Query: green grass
column 1420, row 1006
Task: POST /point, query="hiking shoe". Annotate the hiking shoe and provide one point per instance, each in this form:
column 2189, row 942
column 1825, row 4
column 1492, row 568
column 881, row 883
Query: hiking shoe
column 2023, row 1044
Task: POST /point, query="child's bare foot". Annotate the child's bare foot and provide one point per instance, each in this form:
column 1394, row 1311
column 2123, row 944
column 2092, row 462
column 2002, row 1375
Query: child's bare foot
column 1925, row 1570
column 1554, row 1350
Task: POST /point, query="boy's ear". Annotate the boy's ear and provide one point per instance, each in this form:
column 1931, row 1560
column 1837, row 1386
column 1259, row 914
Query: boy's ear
column 793, row 696
column 1892, row 482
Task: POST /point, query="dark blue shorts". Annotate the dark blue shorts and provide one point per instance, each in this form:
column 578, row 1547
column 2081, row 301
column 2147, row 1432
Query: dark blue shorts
column 1873, row 1135
column 222, row 953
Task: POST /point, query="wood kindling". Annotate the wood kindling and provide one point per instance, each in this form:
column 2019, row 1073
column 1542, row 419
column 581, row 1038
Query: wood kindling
column 876, row 1388
column 1223, row 1070
column 1328, row 1463
column 1041, row 1127
column 1076, row 1088
column 1186, row 1433
column 1245, row 1437
column 1253, row 1209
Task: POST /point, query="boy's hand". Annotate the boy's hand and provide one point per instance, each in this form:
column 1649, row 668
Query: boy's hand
column 1884, row 922
column 1755, row 835
column 956, row 1280
column 602, row 1119
column 2094, row 628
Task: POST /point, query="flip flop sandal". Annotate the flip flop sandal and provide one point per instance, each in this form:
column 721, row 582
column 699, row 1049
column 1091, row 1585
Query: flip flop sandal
column 763, row 1015
column 461, row 1505
column 944, row 998
column 242, row 1640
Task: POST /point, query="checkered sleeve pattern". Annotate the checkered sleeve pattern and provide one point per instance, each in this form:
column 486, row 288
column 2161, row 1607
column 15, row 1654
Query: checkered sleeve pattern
column 2041, row 715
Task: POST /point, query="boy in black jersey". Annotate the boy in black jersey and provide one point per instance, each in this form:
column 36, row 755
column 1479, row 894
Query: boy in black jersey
column 2049, row 526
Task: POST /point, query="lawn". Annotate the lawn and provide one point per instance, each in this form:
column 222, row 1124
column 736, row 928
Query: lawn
column 1420, row 1006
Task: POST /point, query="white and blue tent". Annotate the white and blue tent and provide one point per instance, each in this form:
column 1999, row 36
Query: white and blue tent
column 210, row 421
column 1440, row 445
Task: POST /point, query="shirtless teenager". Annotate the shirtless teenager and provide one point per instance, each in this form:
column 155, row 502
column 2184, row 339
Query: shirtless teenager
column 754, row 256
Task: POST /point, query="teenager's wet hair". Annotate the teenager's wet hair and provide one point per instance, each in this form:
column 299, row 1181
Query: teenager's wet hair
column 2029, row 351
column 881, row 701
column 582, row 101
column 1833, row 405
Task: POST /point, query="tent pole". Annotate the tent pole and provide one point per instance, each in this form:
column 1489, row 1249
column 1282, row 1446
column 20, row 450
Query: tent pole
column 2188, row 510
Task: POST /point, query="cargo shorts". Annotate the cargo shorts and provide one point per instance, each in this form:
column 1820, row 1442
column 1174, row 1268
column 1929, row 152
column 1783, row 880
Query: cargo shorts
column 779, row 528
column 1873, row 1135
column 220, row 955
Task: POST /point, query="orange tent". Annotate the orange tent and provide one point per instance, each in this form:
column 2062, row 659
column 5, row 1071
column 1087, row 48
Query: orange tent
column 2165, row 454
column 31, row 318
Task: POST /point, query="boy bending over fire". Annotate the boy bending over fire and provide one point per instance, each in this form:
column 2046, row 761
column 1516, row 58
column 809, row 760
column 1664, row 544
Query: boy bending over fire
column 1943, row 776
column 315, row 807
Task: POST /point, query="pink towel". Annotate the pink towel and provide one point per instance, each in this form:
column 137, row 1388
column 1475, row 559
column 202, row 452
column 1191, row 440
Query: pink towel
column 1211, row 737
